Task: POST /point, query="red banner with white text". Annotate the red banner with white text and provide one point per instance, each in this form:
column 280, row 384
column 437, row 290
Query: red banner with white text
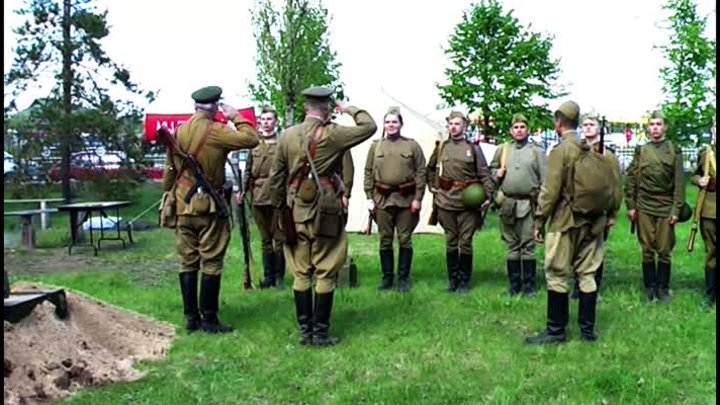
column 153, row 122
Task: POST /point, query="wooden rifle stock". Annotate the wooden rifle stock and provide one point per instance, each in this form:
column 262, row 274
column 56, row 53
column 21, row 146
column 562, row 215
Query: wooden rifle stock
column 244, row 232
column 291, row 237
column 699, row 204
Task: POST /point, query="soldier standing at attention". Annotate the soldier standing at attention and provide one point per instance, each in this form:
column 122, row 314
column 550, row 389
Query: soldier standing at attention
column 202, row 235
column 307, row 190
column 577, row 221
column 395, row 185
column 655, row 194
column 454, row 165
column 705, row 178
column 518, row 169
column 591, row 131
column 256, row 183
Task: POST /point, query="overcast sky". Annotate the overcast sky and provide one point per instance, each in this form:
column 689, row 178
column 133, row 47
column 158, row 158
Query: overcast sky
column 606, row 47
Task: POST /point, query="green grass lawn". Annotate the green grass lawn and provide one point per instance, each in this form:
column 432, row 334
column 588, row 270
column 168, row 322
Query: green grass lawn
column 425, row 347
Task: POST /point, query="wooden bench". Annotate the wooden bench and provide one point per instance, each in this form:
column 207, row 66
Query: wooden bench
column 45, row 217
column 28, row 231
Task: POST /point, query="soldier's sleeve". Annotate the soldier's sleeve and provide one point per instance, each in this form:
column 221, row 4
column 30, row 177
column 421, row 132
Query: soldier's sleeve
column 368, row 178
column 698, row 173
column 431, row 171
column 679, row 195
column 551, row 187
column 244, row 136
column 170, row 172
column 348, row 172
column 247, row 181
column 541, row 164
column 279, row 174
column 484, row 173
column 617, row 185
column 347, row 137
column 420, row 175
column 632, row 179
column 495, row 163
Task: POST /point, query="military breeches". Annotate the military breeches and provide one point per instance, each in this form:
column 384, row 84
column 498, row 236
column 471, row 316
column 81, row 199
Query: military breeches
column 656, row 236
column 392, row 219
column 459, row 229
column 316, row 256
column 577, row 251
column 270, row 233
column 707, row 227
column 519, row 238
column 201, row 241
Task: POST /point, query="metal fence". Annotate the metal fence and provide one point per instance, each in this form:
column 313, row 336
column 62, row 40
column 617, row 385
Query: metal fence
column 625, row 156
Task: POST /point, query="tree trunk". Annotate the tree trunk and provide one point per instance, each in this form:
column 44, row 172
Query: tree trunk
column 66, row 127
column 289, row 110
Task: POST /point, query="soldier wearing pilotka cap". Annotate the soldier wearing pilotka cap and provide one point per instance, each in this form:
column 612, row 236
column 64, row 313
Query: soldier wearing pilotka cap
column 518, row 169
column 574, row 242
column 655, row 198
column 307, row 191
column 455, row 169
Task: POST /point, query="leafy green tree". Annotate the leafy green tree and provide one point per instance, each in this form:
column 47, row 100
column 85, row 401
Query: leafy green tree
column 689, row 75
column 498, row 68
column 59, row 42
column 293, row 53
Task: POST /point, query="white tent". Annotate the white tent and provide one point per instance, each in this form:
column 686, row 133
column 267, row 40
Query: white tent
column 416, row 126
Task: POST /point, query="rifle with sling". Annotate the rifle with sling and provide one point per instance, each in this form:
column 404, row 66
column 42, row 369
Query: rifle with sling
column 700, row 203
column 244, row 233
column 201, row 181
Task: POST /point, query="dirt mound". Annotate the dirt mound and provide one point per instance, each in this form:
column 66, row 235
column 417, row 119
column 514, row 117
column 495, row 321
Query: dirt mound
column 49, row 358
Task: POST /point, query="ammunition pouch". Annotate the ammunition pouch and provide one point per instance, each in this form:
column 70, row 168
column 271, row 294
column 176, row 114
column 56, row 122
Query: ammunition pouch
column 329, row 218
column 444, row 183
column 507, row 211
column 499, row 198
column 307, row 190
column 168, row 210
column 200, row 203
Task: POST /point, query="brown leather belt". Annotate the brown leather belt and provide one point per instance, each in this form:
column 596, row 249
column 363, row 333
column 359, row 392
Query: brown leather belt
column 333, row 182
column 463, row 184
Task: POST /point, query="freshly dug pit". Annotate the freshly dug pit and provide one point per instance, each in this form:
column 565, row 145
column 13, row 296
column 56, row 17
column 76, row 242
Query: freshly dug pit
column 48, row 358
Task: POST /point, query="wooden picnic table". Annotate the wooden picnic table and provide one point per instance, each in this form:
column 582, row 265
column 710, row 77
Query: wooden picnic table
column 44, row 217
column 28, row 231
column 86, row 209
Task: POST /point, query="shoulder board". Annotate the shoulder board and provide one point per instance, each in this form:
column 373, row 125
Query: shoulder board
column 610, row 149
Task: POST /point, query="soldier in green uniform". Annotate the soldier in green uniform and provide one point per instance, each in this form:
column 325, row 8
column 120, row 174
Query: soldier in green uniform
column 518, row 169
column 705, row 177
column 256, row 183
column 454, row 165
column 574, row 242
column 655, row 194
column 395, row 185
column 305, row 181
column 591, row 132
column 202, row 235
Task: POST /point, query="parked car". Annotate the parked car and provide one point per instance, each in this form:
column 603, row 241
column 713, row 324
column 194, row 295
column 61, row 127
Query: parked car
column 86, row 165
column 9, row 165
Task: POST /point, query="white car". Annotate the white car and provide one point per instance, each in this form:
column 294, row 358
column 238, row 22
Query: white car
column 9, row 164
